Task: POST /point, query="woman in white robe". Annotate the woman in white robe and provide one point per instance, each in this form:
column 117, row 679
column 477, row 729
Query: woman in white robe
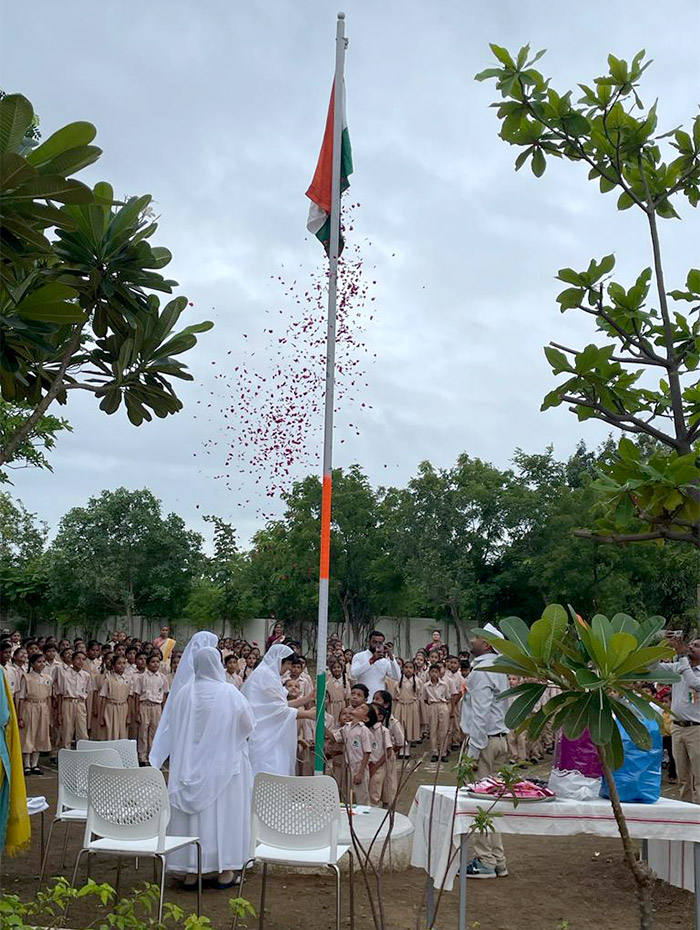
column 162, row 741
column 210, row 780
column 273, row 742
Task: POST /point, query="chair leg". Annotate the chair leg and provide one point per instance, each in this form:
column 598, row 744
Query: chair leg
column 72, row 882
column 65, row 846
column 119, row 876
column 199, row 877
column 234, row 922
column 352, row 891
column 261, row 920
column 334, row 868
column 162, row 888
column 46, row 854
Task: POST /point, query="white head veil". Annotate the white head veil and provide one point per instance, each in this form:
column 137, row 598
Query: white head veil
column 210, row 724
column 162, row 742
column 273, row 742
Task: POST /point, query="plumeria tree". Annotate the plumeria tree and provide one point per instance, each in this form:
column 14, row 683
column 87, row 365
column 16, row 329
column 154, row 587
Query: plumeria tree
column 600, row 668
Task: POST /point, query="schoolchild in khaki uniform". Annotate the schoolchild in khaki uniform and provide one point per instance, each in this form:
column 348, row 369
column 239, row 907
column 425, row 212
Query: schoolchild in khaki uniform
column 72, row 687
column 356, row 739
column 34, row 714
column 114, row 710
column 407, row 706
column 380, row 748
column 437, row 699
column 383, row 704
column 150, row 692
column 337, row 691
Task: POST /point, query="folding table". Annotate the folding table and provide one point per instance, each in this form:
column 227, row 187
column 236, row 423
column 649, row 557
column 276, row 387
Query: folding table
column 669, row 820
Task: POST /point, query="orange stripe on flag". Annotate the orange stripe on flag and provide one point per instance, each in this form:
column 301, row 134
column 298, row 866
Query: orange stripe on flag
column 326, row 526
column 320, row 189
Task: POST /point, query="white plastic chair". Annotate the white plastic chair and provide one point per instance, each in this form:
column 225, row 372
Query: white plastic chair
column 71, row 807
column 295, row 820
column 128, row 812
column 127, row 749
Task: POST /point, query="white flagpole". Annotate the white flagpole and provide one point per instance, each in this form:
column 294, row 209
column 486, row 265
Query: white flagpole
column 324, row 573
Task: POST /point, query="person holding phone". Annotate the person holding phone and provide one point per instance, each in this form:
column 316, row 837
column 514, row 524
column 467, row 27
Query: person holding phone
column 374, row 665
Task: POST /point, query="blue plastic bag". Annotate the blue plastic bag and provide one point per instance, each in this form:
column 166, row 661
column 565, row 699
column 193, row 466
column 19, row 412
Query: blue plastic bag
column 638, row 779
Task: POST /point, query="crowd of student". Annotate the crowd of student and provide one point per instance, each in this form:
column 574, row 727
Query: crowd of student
column 65, row 691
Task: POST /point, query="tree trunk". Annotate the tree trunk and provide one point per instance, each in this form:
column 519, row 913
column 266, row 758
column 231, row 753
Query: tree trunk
column 641, row 873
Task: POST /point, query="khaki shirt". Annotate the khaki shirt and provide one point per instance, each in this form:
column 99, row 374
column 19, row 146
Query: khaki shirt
column 151, row 687
column 439, row 693
column 74, row 684
column 357, row 740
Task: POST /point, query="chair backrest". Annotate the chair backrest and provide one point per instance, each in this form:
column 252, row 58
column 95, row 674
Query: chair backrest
column 295, row 812
column 126, row 748
column 127, row 804
column 73, row 765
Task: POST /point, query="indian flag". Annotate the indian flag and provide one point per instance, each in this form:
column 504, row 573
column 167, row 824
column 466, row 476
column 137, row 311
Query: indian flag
column 319, row 193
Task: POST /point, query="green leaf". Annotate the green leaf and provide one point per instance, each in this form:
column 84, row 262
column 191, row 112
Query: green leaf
column 600, row 719
column 588, row 679
column 488, row 73
column 68, row 137
column 576, row 718
column 54, row 187
column 558, row 615
column 621, row 645
column 570, row 298
column 517, row 632
column 539, row 163
column 72, row 160
column 16, row 116
column 541, row 638
column 614, row 751
column 511, row 651
column 14, row 170
column 50, row 304
column 523, row 705
column 636, row 730
column 502, row 55
column 557, row 360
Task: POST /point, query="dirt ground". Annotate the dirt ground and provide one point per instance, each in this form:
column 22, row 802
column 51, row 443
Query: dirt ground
column 582, row 880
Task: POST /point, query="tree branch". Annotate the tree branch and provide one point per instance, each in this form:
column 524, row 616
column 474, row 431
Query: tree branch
column 659, row 533
column 674, row 382
column 622, row 420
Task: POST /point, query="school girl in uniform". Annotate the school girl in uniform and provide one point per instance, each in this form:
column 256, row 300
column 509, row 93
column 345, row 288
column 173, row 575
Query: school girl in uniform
column 34, row 713
column 337, row 691
column 114, row 710
column 436, row 697
column 407, row 706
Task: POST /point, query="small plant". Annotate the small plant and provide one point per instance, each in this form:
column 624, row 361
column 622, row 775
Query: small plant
column 135, row 912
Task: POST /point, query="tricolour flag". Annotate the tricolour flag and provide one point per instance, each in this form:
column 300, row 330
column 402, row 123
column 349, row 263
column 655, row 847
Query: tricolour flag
column 319, row 221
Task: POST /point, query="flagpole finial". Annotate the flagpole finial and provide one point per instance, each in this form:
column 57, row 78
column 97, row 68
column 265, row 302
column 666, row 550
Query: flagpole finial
column 341, row 15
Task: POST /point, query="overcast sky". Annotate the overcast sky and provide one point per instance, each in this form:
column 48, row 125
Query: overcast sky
column 216, row 108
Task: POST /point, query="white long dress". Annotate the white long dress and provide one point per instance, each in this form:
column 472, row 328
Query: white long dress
column 273, row 742
column 210, row 780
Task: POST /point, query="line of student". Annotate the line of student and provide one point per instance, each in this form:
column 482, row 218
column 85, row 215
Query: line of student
column 64, row 693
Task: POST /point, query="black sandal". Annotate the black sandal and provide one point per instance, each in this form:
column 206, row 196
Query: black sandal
column 27, row 771
column 36, row 770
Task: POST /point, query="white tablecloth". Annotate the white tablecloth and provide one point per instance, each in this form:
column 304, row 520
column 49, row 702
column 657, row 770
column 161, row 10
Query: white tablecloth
column 664, row 820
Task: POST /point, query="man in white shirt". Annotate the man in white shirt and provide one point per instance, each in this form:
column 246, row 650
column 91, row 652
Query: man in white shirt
column 484, row 726
column 685, row 708
column 374, row 665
